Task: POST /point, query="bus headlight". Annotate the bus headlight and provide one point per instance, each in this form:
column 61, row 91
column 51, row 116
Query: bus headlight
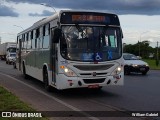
column 68, row 72
column 118, row 70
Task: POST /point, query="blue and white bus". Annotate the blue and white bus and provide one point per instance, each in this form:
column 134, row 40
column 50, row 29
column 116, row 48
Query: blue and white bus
column 73, row 49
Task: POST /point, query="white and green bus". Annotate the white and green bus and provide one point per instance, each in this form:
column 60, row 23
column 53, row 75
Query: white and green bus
column 73, row 49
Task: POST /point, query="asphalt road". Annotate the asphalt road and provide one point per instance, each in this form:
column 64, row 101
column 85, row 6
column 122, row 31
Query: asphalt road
column 139, row 93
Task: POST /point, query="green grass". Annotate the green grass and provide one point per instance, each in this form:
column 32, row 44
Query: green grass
column 152, row 64
column 9, row 102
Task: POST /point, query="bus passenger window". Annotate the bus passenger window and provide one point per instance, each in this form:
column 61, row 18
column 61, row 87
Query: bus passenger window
column 44, row 30
column 33, row 43
column 31, row 35
column 34, row 34
column 37, row 33
column 46, row 42
column 40, row 38
column 47, row 29
column 46, row 37
column 29, row 44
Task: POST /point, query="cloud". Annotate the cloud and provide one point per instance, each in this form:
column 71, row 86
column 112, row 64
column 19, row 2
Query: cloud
column 145, row 7
column 44, row 13
column 6, row 11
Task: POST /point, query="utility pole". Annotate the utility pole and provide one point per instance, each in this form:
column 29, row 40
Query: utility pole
column 139, row 49
column 0, row 40
column 157, row 59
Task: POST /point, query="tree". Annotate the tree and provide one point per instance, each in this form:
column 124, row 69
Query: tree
column 142, row 47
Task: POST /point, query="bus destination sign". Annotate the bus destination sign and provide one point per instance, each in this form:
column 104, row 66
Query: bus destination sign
column 89, row 18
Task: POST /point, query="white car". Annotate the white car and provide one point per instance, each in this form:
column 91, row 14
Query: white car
column 10, row 58
column 134, row 64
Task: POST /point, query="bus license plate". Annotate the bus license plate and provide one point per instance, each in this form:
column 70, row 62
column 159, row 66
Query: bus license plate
column 93, row 86
column 142, row 69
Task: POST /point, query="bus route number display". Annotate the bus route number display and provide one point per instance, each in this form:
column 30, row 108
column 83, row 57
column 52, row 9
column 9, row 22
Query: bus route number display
column 89, row 18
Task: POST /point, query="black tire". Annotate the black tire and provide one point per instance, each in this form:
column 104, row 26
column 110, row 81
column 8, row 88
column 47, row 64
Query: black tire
column 45, row 80
column 6, row 62
column 24, row 72
column 144, row 73
column 126, row 70
column 14, row 65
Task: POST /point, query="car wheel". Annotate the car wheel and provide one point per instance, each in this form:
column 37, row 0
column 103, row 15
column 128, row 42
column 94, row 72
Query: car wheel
column 126, row 70
column 144, row 73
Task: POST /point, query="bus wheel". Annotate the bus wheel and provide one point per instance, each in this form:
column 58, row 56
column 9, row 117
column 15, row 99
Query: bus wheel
column 14, row 65
column 45, row 80
column 24, row 72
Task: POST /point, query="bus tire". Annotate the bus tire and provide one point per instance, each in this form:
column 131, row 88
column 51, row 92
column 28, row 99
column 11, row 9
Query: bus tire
column 24, row 72
column 45, row 80
column 14, row 65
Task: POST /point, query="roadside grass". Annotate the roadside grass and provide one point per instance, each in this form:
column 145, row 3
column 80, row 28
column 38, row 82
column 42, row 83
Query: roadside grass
column 11, row 103
column 152, row 64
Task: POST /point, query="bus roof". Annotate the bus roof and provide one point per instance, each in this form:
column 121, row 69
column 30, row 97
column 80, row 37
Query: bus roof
column 56, row 16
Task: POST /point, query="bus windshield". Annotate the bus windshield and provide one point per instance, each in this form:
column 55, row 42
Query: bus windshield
column 90, row 43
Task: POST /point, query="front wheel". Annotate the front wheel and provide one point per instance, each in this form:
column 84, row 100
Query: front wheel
column 24, row 72
column 45, row 80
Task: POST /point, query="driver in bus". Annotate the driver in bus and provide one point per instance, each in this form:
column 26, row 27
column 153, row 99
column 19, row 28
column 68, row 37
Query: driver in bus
column 91, row 38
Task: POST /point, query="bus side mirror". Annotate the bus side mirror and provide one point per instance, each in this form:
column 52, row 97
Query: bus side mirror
column 56, row 35
column 121, row 33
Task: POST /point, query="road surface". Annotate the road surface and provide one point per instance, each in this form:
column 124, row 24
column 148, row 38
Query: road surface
column 139, row 93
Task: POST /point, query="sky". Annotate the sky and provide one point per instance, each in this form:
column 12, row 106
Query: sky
column 140, row 19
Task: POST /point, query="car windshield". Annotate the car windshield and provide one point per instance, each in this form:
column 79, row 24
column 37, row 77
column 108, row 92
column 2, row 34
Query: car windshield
column 12, row 49
column 88, row 43
column 130, row 57
column 12, row 55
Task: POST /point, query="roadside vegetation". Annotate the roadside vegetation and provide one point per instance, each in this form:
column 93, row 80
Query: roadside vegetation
column 11, row 103
column 152, row 64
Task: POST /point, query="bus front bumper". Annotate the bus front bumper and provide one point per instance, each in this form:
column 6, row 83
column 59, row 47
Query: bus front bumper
column 64, row 82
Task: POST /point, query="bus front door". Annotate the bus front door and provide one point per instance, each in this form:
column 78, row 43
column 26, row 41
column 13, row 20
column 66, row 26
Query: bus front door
column 54, row 59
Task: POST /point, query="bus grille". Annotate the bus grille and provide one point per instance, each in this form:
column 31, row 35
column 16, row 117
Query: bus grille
column 93, row 68
column 100, row 80
column 91, row 74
